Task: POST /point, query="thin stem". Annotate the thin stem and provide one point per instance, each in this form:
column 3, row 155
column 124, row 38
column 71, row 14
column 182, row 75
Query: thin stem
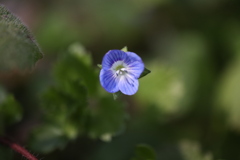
column 17, row 148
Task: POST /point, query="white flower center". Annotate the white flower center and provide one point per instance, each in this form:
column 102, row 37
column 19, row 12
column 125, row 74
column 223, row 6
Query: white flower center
column 119, row 68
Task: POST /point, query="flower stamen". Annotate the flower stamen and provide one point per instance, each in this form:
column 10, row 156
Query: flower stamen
column 121, row 71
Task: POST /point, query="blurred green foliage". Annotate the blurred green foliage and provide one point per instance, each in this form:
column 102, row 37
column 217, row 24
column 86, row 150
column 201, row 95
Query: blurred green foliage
column 10, row 111
column 191, row 150
column 6, row 153
column 74, row 106
column 228, row 95
column 144, row 152
column 186, row 108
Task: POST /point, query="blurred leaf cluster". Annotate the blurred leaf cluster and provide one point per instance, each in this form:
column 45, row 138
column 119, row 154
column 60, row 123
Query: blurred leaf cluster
column 73, row 106
column 10, row 111
column 143, row 152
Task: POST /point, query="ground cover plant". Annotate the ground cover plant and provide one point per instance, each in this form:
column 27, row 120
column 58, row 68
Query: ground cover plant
column 119, row 80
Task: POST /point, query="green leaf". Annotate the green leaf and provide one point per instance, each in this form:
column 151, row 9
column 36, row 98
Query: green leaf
column 18, row 48
column 116, row 95
column 68, row 103
column 124, row 49
column 99, row 65
column 66, row 98
column 48, row 138
column 10, row 110
column 76, row 65
column 106, row 120
column 64, row 108
column 144, row 152
column 144, row 73
column 192, row 150
column 228, row 94
column 80, row 53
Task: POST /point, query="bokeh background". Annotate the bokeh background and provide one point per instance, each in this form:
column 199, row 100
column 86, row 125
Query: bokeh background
column 187, row 108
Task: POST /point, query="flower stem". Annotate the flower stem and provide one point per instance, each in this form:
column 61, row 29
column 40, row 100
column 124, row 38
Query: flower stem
column 17, row 148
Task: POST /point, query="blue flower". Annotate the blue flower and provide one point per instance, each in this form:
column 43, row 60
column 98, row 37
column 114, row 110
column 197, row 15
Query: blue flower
column 120, row 71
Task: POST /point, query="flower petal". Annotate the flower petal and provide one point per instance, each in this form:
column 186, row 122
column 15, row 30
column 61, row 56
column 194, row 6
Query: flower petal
column 111, row 57
column 128, row 84
column 108, row 81
column 134, row 63
column 136, row 68
column 134, row 56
